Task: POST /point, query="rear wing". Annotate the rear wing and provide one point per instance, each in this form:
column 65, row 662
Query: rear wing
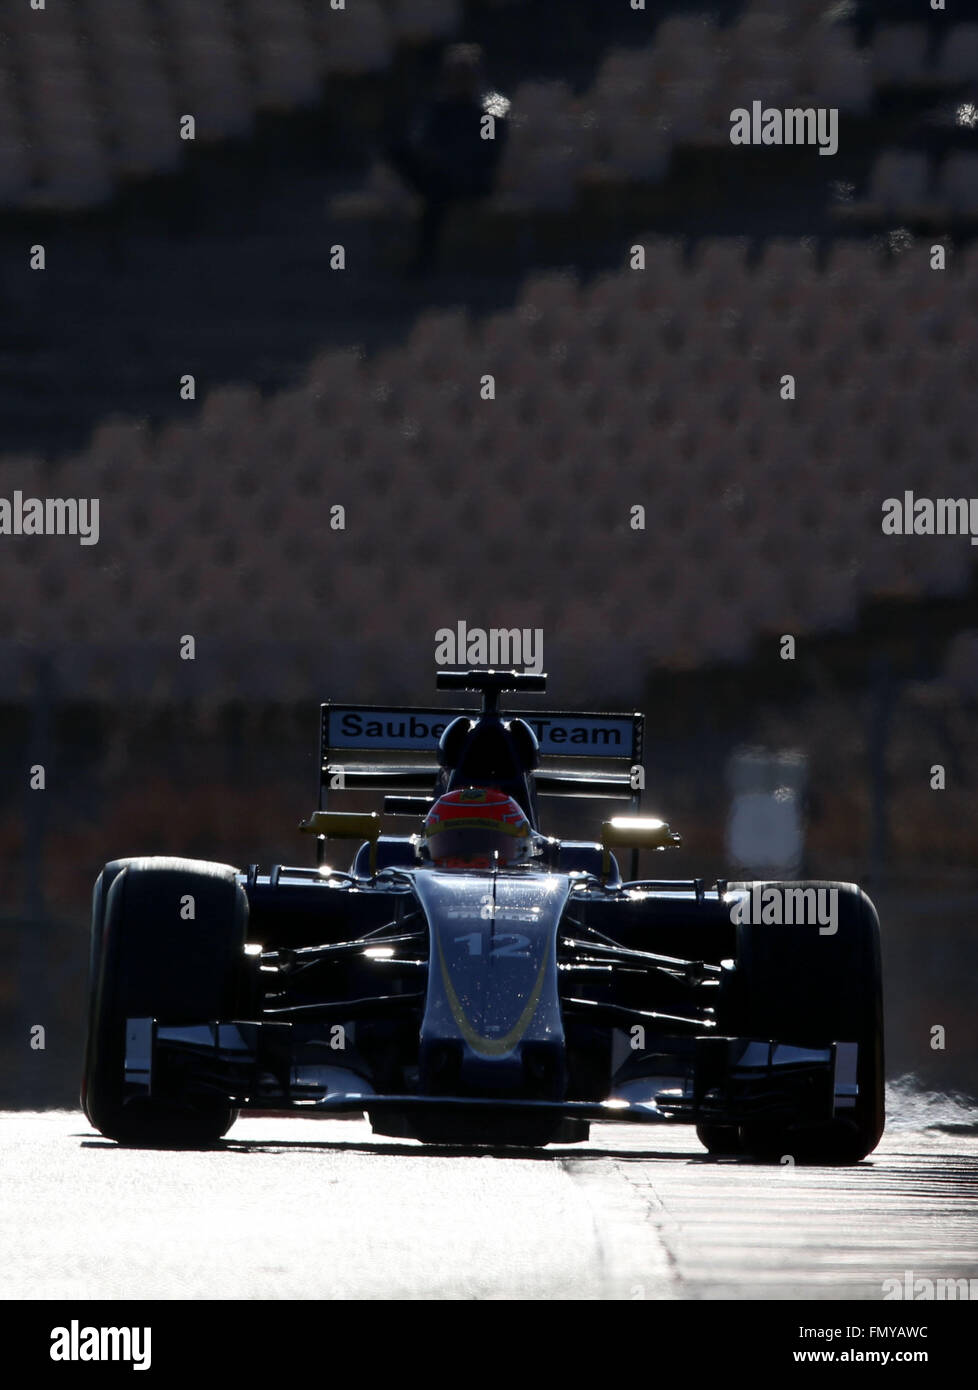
column 394, row 749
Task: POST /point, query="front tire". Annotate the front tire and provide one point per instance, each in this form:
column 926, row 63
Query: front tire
column 800, row 987
column 721, row 1140
column 151, row 958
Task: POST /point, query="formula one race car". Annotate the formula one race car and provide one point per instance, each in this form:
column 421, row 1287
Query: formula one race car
column 476, row 981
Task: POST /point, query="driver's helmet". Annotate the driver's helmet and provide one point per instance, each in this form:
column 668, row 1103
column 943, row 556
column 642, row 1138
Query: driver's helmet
column 477, row 828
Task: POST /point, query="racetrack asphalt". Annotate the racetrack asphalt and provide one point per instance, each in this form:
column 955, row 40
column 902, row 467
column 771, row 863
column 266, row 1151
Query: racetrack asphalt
column 292, row 1208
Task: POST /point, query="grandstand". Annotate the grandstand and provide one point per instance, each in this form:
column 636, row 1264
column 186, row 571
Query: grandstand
column 220, row 525
column 614, row 387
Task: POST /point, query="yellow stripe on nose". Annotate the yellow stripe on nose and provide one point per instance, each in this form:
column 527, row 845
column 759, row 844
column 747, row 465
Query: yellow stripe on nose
column 491, row 1047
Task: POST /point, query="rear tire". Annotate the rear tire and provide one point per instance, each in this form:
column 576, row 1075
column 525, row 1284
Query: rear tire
column 799, row 987
column 147, row 961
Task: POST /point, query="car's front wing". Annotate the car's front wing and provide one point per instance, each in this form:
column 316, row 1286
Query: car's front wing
column 264, row 1066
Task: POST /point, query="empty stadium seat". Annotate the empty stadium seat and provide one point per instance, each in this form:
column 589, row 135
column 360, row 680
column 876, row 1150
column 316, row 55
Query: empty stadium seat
column 419, row 21
column 288, row 74
column 358, row 38
column 335, row 384
column 213, row 84
column 899, row 54
column 15, row 163
column 759, row 29
column 438, row 340
column 899, row 182
column 550, row 293
column 958, row 183
column 548, row 145
column 961, row 663
column 718, row 266
column 787, row 259
column 623, row 74
column 840, row 75
column 957, row 59
column 274, row 19
column 681, row 42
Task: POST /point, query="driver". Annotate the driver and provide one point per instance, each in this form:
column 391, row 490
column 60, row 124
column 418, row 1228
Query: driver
column 477, row 828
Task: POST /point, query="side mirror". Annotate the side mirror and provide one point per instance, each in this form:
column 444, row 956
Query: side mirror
column 346, row 825
column 635, row 832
